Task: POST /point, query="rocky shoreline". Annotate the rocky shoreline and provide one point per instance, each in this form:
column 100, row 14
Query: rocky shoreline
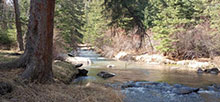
column 157, row 59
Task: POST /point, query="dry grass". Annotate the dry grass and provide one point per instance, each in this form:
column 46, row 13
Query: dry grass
column 55, row 92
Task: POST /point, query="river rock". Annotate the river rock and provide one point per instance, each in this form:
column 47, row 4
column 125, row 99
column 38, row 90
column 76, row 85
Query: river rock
column 213, row 87
column 185, row 90
column 120, row 55
column 128, row 57
column 5, row 88
column 212, row 71
column 153, row 59
column 200, row 70
column 64, row 71
column 105, row 75
column 196, row 64
column 142, row 91
column 207, row 70
column 74, row 60
column 78, row 65
column 145, row 84
column 82, row 72
column 70, row 54
column 110, row 66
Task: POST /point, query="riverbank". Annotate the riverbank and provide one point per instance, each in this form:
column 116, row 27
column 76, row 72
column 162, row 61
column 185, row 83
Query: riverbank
column 158, row 59
column 53, row 92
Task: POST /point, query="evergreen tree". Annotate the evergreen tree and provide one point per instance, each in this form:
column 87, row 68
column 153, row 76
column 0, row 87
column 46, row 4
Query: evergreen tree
column 213, row 12
column 128, row 15
column 96, row 25
column 173, row 16
column 70, row 20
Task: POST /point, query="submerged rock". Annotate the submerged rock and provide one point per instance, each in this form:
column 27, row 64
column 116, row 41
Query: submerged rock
column 185, row 90
column 105, row 75
column 82, row 72
column 5, row 88
column 212, row 71
column 110, row 66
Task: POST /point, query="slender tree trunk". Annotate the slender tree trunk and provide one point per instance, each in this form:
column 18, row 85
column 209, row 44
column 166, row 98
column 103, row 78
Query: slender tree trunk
column 18, row 26
column 3, row 15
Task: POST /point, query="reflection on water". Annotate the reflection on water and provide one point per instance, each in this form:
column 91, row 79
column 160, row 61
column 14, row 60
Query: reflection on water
column 148, row 73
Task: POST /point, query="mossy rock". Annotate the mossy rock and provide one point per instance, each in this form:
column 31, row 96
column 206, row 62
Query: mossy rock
column 64, row 71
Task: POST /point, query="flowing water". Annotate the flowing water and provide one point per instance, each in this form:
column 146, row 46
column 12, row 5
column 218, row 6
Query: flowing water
column 133, row 71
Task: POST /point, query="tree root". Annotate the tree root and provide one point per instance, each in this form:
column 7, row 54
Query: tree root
column 17, row 63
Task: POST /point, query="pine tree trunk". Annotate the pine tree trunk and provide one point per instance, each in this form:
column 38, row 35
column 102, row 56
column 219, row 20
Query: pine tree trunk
column 38, row 52
column 18, row 26
column 3, row 15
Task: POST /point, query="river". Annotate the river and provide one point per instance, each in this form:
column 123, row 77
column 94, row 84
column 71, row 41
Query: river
column 128, row 71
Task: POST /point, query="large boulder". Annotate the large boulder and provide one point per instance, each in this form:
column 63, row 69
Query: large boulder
column 152, row 59
column 64, row 71
column 196, row 64
column 120, row 55
column 74, row 60
column 105, row 75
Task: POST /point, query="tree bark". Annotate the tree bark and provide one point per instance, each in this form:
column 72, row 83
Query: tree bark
column 18, row 26
column 37, row 57
column 40, row 41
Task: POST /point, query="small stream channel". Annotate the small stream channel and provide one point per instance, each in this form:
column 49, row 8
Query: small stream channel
column 131, row 74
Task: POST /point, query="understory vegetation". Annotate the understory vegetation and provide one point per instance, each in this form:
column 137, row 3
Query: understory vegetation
column 181, row 29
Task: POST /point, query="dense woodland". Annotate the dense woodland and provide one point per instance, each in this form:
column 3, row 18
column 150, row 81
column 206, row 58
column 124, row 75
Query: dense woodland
column 178, row 39
column 182, row 29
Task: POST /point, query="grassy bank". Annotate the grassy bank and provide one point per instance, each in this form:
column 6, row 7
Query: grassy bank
column 55, row 92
